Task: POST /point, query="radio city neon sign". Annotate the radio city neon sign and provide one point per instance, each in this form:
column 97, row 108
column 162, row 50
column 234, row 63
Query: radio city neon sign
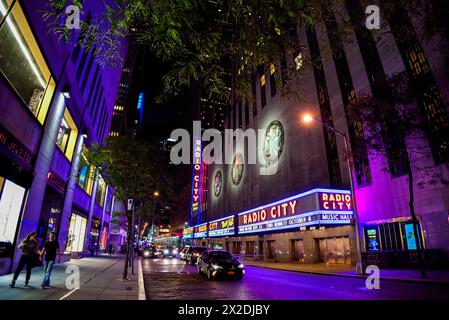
column 314, row 207
column 274, row 212
column 196, row 183
column 335, row 201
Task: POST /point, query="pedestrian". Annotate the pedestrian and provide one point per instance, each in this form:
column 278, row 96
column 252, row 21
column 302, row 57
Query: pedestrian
column 29, row 248
column 113, row 248
column 110, row 249
column 51, row 248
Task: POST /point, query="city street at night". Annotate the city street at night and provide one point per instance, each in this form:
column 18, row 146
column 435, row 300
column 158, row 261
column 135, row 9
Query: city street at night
column 151, row 148
column 170, row 278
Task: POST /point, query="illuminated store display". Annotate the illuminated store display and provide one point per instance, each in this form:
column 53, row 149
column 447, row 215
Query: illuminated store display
column 77, row 233
column 11, row 199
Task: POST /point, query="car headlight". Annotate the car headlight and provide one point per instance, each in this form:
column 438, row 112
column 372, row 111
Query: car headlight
column 146, row 253
column 216, row 267
column 241, row 266
column 165, row 251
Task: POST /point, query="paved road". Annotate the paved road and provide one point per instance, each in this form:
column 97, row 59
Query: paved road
column 171, row 278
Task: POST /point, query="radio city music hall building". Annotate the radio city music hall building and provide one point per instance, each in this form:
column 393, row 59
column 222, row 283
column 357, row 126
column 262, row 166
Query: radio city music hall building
column 303, row 212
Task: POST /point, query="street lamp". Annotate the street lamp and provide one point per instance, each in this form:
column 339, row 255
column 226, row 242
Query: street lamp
column 308, row 119
column 156, row 193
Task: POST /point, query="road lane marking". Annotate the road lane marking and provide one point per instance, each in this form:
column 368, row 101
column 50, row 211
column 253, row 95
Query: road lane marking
column 68, row 294
column 142, row 295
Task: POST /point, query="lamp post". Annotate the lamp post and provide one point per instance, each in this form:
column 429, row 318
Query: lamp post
column 308, row 119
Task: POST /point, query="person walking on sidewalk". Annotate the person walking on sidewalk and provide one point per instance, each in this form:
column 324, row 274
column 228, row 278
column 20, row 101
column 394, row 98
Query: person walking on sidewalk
column 29, row 248
column 51, row 248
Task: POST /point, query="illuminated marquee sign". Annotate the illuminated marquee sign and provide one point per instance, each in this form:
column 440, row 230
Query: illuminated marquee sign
column 200, row 231
column 196, row 181
column 314, row 207
column 335, row 201
column 187, row 233
column 222, row 227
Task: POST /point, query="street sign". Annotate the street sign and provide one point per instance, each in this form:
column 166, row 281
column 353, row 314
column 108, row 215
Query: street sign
column 130, row 204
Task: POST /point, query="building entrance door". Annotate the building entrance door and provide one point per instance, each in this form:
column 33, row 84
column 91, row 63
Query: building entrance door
column 335, row 250
column 270, row 250
column 297, row 250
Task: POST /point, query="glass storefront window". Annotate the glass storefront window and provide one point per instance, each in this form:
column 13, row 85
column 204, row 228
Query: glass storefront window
column 101, row 192
column 67, row 135
column 77, row 233
column 11, row 200
column 85, row 173
column 22, row 63
column 392, row 236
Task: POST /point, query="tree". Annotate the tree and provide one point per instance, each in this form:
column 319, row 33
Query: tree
column 415, row 155
column 131, row 166
column 200, row 40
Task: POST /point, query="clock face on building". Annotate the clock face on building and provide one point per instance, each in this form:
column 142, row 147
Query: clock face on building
column 274, row 142
column 237, row 169
column 218, row 183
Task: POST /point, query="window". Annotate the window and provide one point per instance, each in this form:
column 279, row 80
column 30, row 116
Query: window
column 77, row 233
column 254, row 93
column 394, row 143
column 428, row 96
column 240, row 113
column 67, row 135
column 87, row 73
column 22, row 63
column 11, row 200
column 101, row 192
column 392, row 236
column 263, row 82
column 246, row 113
column 330, row 140
column 85, row 173
column 272, row 80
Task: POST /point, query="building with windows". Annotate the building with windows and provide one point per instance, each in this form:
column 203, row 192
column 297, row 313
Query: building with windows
column 293, row 204
column 55, row 102
column 119, row 121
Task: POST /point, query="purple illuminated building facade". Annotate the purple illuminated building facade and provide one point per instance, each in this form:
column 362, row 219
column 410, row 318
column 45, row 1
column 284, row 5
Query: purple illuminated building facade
column 55, row 102
column 310, row 156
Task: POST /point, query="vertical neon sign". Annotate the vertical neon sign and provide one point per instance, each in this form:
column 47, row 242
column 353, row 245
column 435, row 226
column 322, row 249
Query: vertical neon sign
column 140, row 106
column 195, row 209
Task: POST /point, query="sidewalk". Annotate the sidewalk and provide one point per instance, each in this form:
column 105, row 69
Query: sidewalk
column 414, row 276
column 100, row 279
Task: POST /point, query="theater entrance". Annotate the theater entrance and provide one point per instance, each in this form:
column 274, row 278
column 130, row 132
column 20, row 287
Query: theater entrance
column 334, row 250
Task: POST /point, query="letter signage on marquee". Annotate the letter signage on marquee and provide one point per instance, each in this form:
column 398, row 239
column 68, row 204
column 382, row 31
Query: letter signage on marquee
column 187, row 233
column 314, row 207
column 335, row 201
column 222, row 227
column 200, row 231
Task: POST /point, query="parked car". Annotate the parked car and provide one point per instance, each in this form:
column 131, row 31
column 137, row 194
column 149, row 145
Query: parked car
column 220, row 263
column 193, row 253
column 169, row 252
column 151, row 252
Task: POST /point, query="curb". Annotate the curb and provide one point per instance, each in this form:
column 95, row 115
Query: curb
column 355, row 276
